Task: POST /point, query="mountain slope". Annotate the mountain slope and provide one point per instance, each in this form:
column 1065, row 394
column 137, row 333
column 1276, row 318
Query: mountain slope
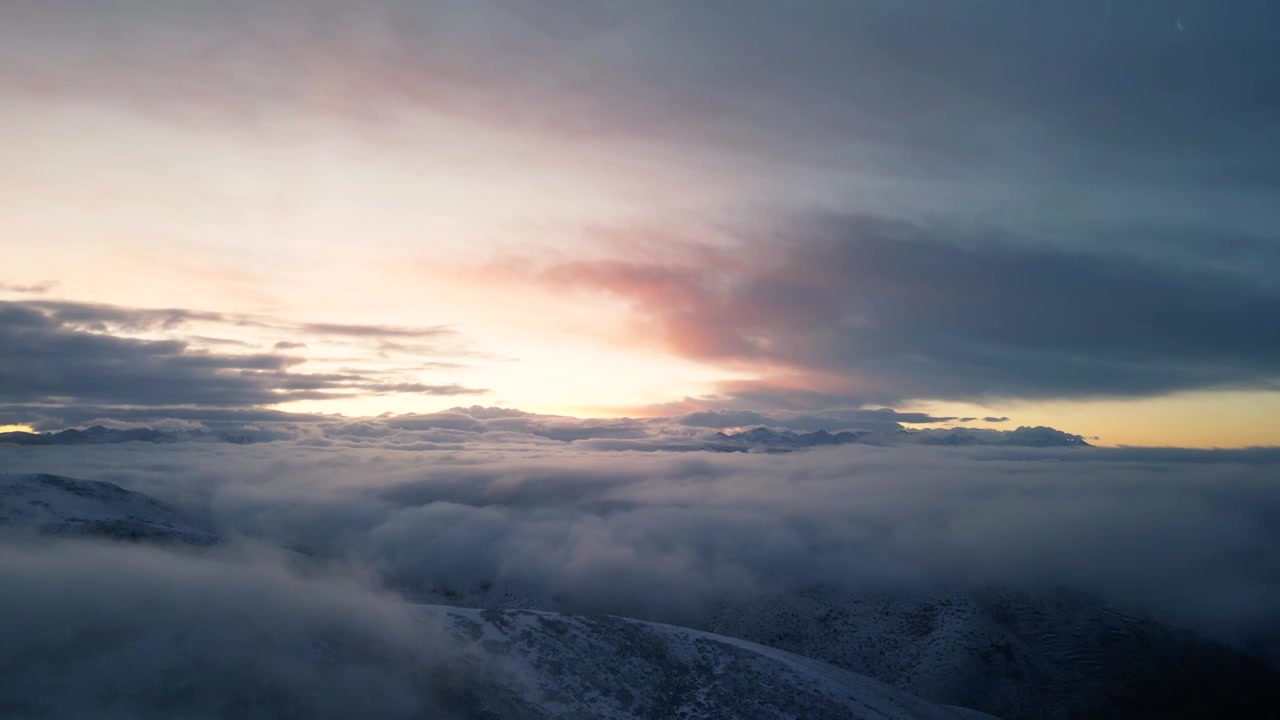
column 1018, row 654
column 57, row 505
column 1049, row 654
column 549, row 665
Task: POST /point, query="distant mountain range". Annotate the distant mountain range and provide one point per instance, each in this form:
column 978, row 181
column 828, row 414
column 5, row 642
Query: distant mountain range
column 96, row 435
column 99, row 435
column 760, row 439
column 782, row 440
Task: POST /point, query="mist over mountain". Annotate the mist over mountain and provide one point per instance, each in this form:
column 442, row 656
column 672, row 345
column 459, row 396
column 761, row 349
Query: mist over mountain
column 987, row 576
column 61, row 506
column 1050, row 652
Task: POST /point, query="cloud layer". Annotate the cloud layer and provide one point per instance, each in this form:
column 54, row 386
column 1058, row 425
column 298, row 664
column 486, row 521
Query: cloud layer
column 1182, row 535
column 1144, row 92
column 114, row 631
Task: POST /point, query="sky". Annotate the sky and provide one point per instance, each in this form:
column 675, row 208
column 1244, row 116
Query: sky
column 1055, row 213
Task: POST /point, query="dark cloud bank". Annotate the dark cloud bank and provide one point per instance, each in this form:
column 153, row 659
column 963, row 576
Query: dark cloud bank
column 866, row 309
column 65, row 355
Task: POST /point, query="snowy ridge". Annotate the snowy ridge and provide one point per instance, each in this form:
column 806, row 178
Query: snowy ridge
column 57, row 505
column 565, row 666
column 1051, row 654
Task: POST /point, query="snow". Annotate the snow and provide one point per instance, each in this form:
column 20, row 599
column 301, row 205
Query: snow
column 608, row 667
column 1045, row 654
column 56, row 505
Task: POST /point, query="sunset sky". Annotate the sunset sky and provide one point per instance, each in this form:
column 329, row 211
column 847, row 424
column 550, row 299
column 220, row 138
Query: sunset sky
column 987, row 214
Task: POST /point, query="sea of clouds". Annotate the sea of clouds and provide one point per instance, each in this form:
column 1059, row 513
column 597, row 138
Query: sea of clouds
column 1189, row 537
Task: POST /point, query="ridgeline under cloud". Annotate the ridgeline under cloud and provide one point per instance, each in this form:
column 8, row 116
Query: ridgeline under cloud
column 465, row 499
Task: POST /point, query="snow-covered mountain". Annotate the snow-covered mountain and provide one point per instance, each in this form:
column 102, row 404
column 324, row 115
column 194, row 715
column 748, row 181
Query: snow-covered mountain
column 1051, row 654
column 549, row 665
column 65, row 506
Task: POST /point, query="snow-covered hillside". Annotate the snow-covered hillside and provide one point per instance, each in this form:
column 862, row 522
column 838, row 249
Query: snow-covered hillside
column 548, row 665
column 65, row 506
column 1049, row 654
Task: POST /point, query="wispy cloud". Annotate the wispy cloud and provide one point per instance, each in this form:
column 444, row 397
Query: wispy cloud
column 29, row 289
